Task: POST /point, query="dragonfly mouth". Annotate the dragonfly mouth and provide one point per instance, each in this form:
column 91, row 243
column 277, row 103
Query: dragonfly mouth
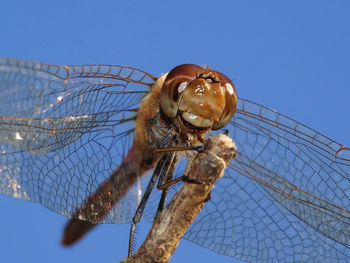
column 195, row 122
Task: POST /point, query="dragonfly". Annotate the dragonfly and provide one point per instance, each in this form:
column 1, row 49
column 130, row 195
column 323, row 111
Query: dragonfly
column 84, row 140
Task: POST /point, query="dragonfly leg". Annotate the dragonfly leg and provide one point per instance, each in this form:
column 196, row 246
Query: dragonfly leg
column 142, row 205
column 165, row 189
column 165, row 176
column 183, row 178
column 167, row 181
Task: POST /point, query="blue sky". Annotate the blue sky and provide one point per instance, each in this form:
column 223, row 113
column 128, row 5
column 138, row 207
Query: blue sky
column 292, row 56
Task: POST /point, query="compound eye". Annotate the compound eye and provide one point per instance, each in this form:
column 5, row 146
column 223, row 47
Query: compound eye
column 174, row 84
column 230, row 102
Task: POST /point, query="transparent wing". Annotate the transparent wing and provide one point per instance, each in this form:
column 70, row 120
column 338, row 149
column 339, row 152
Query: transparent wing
column 284, row 198
column 64, row 129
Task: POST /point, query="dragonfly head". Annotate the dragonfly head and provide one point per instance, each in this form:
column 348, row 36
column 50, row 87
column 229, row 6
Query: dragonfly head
column 201, row 97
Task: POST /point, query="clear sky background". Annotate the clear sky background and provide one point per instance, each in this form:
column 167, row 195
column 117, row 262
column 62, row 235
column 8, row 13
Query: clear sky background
column 293, row 56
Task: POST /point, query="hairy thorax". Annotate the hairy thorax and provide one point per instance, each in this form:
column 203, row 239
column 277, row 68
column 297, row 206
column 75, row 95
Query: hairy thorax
column 153, row 130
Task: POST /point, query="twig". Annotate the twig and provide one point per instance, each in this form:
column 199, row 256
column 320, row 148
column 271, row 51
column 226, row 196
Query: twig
column 173, row 222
